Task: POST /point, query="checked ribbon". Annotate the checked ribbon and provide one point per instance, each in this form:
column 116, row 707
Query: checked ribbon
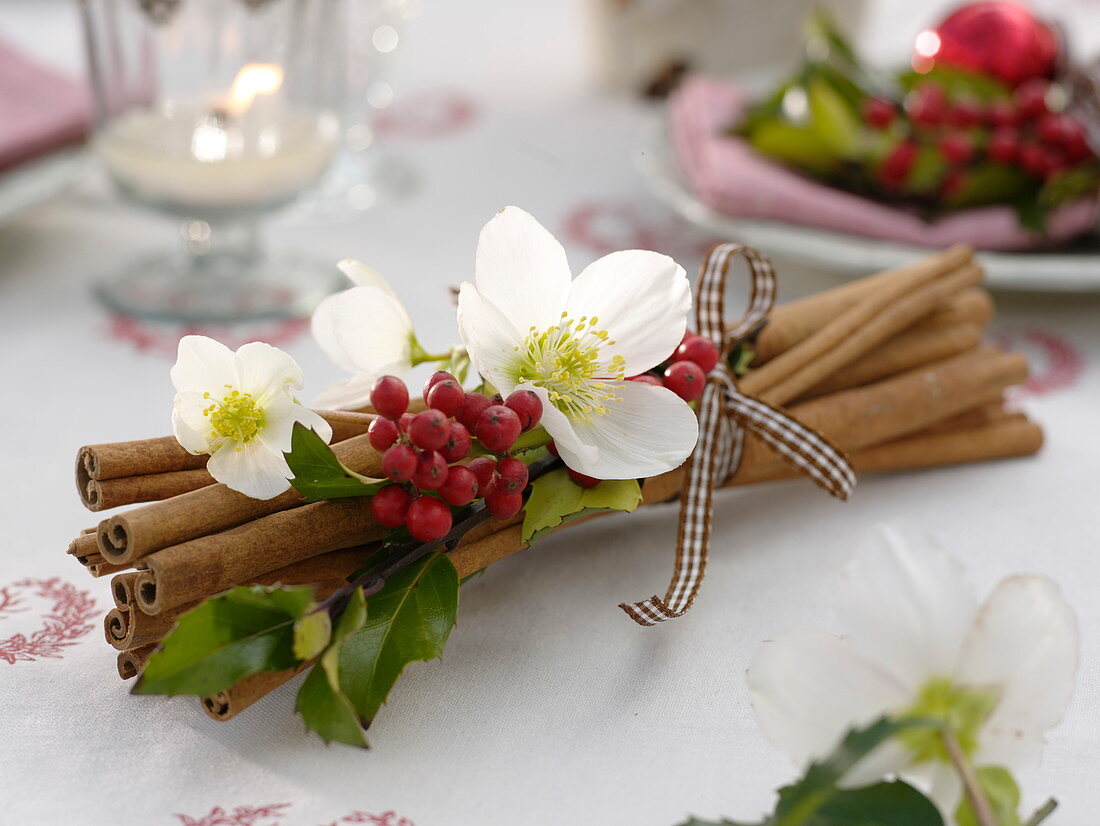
column 724, row 415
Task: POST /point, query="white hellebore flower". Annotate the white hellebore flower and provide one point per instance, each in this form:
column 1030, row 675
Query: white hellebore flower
column 917, row 643
column 240, row 408
column 526, row 324
column 367, row 332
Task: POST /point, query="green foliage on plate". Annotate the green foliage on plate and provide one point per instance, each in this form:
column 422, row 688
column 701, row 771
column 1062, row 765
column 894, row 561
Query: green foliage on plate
column 555, row 499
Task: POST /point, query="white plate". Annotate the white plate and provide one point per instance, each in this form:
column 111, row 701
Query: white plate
column 1069, row 270
column 37, row 181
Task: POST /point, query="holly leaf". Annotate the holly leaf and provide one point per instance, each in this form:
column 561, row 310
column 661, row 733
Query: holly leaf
column 311, row 634
column 325, row 709
column 244, row 631
column 555, row 499
column 1002, row 793
column 319, row 475
column 409, row 620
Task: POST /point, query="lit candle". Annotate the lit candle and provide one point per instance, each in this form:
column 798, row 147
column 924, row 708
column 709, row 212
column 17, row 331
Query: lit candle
column 244, row 149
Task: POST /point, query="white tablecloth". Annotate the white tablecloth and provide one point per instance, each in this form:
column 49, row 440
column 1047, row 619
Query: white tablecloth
column 549, row 706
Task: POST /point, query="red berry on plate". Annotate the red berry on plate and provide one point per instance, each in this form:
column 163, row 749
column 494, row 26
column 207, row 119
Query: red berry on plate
column 897, row 165
column 686, row 379
column 1031, row 98
column 699, row 349
column 458, row 443
column 429, row 430
column 965, row 113
column 1034, row 159
column 382, row 433
column 1003, row 145
column 878, row 112
column 431, row 471
column 927, row 105
column 504, row 505
column 646, row 378
column 460, row 488
column 956, row 147
column 498, row 427
column 472, row 407
column 527, row 405
column 1000, row 113
column 1073, row 141
column 389, row 506
column 953, row 183
column 428, row 519
column 399, row 463
column 484, row 469
column 447, row 396
column 582, row 480
column 513, row 474
column 389, row 396
column 434, row 379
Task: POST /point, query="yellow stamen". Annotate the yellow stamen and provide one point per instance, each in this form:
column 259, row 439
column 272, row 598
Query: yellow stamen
column 236, row 416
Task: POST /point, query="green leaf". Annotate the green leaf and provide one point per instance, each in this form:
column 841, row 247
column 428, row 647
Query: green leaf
column 555, row 499
column 409, row 620
column 325, row 709
column 244, row 631
column 799, row 146
column 319, row 475
column 311, row 634
column 1002, row 793
column 835, row 123
column 991, row 183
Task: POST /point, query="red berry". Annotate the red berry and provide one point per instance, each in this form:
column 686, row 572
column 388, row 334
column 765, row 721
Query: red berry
column 895, row 168
column 498, row 427
column 1034, row 159
column 389, row 505
column 484, row 469
column 513, row 474
column 699, row 349
column 1074, row 142
column 460, row 488
column 429, row 430
column 1031, row 98
column 447, row 396
column 472, row 407
column 434, row 379
column 389, row 396
column 646, row 378
column 878, row 113
column 405, row 422
column 953, row 183
column 399, row 463
column 428, row 519
column 965, row 113
column 382, row 433
column 1053, row 129
column 552, row 448
column 927, row 105
column 431, row 471
column 686, row 379
column 527, row 405
column 1003, row 145
column 956, row 147
column 582, row 480
column 1000, row 113
column 458, row 443
column 504, row 505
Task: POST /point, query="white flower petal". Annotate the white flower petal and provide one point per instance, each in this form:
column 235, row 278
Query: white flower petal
column 363, row 276
column 350, row 394
column 202, row 365
column 372, row 329
column 314, row 422
column 267, row 372
column 1024, row 642
column 522, row 269
column 649, row 432
column 323, row 327
column 191, row 427
column 809, row 687
column 490, row 338
column 573, row 451
column 279, row 417
column 255, row 469
column 641, row 298
column 905, row 603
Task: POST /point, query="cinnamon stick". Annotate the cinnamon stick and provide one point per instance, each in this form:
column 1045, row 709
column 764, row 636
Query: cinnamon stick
column 122, row 589
column 125, row 629
column 225, row 705
column 132, row 662
column 102, row 495
column 129, row 536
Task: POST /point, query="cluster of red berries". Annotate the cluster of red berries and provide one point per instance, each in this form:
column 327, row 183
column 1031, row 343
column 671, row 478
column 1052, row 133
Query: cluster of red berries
column 420, row 452
column 1021, row 131
column 685, row 373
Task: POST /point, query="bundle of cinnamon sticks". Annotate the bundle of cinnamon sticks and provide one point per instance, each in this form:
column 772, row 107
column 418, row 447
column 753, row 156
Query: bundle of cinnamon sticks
column 891, row 368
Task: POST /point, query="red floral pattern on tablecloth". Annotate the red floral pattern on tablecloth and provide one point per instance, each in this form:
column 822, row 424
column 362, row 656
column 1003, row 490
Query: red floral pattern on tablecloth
column 69, row 618
column 273, row 814
column 164, row 339
column 606, row 226
column 424, row 115
column 1056, row 363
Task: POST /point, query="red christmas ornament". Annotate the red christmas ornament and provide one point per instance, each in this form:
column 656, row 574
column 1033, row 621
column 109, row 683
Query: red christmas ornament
column 1003, row 39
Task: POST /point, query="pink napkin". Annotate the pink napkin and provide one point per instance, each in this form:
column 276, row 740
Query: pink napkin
column 40, row 110
column 730, row 177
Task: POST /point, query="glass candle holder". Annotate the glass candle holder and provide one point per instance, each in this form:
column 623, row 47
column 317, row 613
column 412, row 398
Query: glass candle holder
column 216, row 112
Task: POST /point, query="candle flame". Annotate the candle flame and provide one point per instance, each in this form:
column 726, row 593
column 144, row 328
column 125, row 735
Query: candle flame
column 252, row 80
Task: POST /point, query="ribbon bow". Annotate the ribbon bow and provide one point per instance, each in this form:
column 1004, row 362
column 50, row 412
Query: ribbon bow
column 724, row 415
